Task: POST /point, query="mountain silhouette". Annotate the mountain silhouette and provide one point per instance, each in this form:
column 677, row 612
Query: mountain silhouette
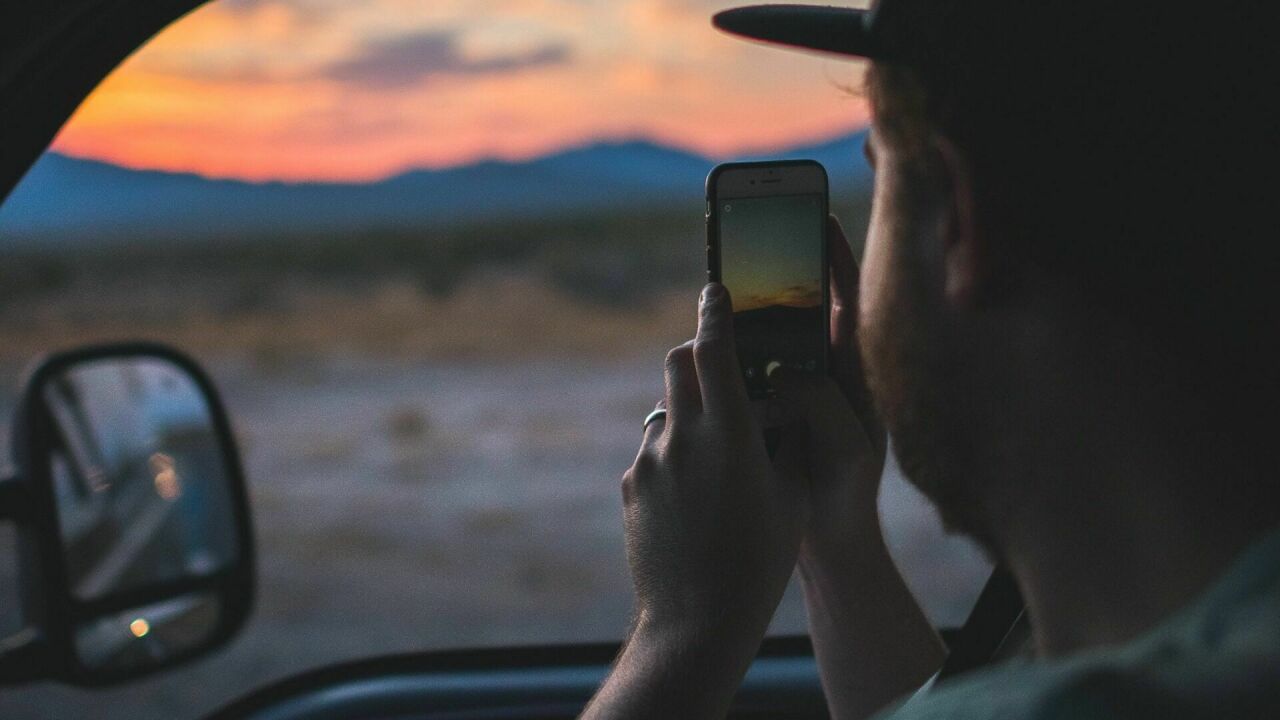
column 65, row 199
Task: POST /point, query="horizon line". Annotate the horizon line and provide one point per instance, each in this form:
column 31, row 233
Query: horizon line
column 514, row 159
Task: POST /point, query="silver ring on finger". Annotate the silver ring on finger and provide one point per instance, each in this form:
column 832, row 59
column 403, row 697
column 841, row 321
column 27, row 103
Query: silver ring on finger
column 660, row 413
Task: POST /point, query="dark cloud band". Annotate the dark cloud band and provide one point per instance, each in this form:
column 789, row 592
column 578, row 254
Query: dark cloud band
column 412, row 59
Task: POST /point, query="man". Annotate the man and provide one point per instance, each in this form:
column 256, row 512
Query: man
column 1067, row 323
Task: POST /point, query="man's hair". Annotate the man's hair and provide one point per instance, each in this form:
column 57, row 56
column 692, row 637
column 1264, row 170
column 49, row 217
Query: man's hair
column 1139, row 168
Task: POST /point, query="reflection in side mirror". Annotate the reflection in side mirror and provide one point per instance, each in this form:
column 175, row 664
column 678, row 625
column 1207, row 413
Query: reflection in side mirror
column 139, row 516
column 140, row 485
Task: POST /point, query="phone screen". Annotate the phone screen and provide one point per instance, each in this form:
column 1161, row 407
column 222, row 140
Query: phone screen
column 773, row 261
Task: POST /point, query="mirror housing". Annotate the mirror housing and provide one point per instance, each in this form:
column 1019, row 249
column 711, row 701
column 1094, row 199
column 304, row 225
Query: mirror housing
column 134, row 536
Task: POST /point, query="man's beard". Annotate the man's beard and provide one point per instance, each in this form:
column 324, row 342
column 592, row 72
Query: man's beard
column 915, row 380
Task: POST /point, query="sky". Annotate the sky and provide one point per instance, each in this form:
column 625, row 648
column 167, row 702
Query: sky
column 771, row 252
column 358, row 90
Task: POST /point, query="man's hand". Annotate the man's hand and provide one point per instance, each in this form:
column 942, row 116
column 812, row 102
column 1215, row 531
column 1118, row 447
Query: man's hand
column 713, row 528
column 872, row 641
column 846, row 440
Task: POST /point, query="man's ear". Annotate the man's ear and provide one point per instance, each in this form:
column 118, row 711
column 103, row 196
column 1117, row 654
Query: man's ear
column 966, row 260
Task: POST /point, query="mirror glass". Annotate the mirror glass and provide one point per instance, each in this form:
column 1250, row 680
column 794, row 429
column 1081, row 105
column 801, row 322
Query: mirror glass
column 142, row 488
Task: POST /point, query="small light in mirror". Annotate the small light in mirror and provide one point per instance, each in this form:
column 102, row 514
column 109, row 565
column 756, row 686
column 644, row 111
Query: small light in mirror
column 140, row 627
column 168, row 484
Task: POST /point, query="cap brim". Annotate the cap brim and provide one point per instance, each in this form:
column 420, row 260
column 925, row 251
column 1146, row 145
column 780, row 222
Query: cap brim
column 843, row 31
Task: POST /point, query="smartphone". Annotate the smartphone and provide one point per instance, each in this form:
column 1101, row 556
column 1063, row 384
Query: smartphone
column 767, row 243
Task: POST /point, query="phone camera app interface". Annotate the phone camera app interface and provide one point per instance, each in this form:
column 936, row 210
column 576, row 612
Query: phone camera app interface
column 772, row 264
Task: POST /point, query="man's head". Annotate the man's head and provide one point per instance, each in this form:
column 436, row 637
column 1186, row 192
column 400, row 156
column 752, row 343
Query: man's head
column 1064, row 193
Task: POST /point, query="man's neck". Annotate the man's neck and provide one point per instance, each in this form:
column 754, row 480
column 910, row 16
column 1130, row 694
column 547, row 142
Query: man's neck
column 1130, row 533
column 1110, row 588
column 1131, row 501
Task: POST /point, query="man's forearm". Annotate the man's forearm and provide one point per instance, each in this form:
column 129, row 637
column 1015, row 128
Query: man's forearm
column 677, row 672
column 872, row 641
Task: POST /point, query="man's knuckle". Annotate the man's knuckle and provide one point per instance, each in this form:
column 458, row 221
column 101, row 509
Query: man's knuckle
column 644, row 466
column 678, row 357
column 676, row 445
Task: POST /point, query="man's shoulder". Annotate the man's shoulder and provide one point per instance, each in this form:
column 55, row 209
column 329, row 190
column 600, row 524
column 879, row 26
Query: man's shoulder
column 1218, row 658
column 1236, row 686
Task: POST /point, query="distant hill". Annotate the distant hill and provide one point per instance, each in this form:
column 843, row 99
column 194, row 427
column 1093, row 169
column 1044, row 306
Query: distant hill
column 774, row 322
column 66, row 199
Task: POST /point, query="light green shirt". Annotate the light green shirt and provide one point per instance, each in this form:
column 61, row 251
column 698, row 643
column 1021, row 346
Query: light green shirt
column 1218, row 658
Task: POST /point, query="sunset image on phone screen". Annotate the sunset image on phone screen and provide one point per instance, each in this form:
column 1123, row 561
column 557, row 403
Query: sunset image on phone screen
column 772, row 263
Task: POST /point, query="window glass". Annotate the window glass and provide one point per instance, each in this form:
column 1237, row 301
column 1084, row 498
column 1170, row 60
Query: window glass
column 433, row 255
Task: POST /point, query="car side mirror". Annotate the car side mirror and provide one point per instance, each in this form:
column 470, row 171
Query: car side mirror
column 134, row 539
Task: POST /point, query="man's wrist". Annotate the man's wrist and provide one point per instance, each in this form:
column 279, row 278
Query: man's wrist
column 858, row 542
column 720, row 637
column 674, row 667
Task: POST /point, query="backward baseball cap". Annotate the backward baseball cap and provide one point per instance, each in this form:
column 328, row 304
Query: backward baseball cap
column 1106, row 73
column 911, row 31
column 1026, row 42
